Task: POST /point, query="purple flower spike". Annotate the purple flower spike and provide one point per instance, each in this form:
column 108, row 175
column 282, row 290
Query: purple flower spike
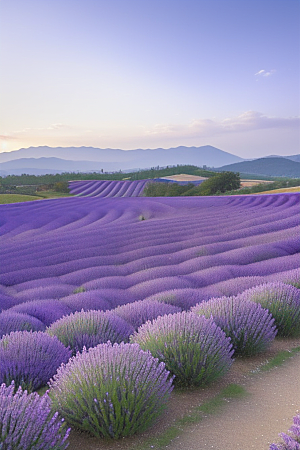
column 30, row 358
column 292, row 441
column 27, row 422
column 137, row 313
column 111, row 390
column 250, row 327
column 90, row 328
column 193, row 348
column 282, row 301
column 16, row 321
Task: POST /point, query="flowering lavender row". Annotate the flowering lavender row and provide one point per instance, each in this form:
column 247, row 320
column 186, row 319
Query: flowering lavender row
column 249, row 326
column 107, row 188
column 137, row 313
column 111, row 390
column 30, row 359
column 98, row 253
column 282, row 301
column 90, row 328
column 27, row 422
column 193, row 348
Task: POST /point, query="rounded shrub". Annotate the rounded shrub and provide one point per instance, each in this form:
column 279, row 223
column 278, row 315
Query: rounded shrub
column 16, row 321
column 193, row 348
column 47, row 311
column 111, row 390
column 27, row 423
column 291, row 277
column 249, row 326
column 139, row 312
column 90, row 328
column 30, row 358
column 282, row 301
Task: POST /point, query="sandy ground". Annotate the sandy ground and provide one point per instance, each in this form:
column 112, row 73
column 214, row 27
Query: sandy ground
column 249, row 183
column 279, row 191
column 251, row 422
column 184, row 177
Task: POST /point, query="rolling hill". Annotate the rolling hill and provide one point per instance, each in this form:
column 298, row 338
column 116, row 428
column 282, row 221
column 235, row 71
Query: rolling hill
column 271, row 166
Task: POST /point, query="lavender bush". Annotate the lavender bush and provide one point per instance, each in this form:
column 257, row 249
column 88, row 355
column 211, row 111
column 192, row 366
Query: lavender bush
column 111, row 390
column 16, row 321
column 90, row 328
column 292, row 441
column 27, row 423
column 85, row 300
column 139, row 312
column 282, row 301
column 30, row 358
column 47, row 311
column 193, row 348
column 249, row 326
column 290, row 277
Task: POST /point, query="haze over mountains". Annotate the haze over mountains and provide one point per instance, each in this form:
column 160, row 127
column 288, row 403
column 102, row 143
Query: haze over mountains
column 68, row 159
column 42, row 160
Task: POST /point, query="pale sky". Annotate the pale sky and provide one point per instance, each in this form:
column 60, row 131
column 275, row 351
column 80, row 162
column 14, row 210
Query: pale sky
column 151, row 73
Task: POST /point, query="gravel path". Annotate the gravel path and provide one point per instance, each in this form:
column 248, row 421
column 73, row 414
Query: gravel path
column 252, row 422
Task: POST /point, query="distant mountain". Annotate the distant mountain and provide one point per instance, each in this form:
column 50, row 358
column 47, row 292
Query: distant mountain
column 270, row 166
column 83, row 159
column 41, row 166
column 292, row 157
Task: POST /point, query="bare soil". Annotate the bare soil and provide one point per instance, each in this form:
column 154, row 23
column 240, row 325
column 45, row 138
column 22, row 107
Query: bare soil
column 251, row 422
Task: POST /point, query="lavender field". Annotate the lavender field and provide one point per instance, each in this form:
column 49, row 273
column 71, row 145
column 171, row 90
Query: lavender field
column 107, row 188
column 59, row 256
column 123, row 285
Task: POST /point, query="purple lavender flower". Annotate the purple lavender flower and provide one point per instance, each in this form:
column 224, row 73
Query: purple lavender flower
column 291, row 277
column 16, row 321
column 137, row 313
column 90, row 328
column 250, row 327
column 47, row 311
column 282, row 301
column 30, row 358
column 292, row 441
column 27, row 423
column 194, row 246
column 193, row 348
column 111, row 390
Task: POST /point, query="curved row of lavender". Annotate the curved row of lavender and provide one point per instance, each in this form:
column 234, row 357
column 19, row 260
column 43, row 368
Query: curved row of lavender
column 107, row 188
column 59, row 256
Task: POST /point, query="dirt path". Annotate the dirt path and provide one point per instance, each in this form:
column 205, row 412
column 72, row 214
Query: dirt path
column 252, row 422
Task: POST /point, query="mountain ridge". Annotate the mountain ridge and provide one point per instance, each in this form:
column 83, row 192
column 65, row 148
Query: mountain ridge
column 268, row 166
column 116, row 159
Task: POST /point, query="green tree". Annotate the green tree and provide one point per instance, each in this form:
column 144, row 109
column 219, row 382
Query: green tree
column 225, row 181
column 61, row 186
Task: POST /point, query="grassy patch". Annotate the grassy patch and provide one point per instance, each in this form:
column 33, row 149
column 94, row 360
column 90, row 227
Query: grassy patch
column 78, row 290
column 212, row 406
column 17, row 198
column 280, row 191
column 280, row 358
column 53, row 194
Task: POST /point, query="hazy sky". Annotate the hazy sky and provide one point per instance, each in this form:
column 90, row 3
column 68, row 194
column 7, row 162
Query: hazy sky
column 151, row 73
